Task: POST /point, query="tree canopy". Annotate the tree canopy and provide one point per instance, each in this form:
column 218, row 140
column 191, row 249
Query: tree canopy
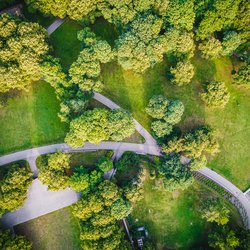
column 99, row 125
column 23, row 48
column 14, row 188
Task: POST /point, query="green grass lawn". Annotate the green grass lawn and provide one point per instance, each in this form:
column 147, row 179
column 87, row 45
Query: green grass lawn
column 65, row 43
column 133, row 92
column 30, row 119
column 173, row 219
column 58, row 231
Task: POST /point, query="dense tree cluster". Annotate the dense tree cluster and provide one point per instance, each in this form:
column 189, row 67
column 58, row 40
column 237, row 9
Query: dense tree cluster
column 10, row 241
column 105, row 164
column 14, row 188
column 216, row 94
column 23, row 48
column 98, row 212
column 86, row 70
column 194, row 143
column 174, row 174
column 99, row 125
column 166, row 112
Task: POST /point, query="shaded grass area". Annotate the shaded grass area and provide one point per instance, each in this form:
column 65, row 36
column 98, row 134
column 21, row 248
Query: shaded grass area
column 133, row 91
column 30, row 119
column 65, row 43
column 173, row 219
column 58, row 231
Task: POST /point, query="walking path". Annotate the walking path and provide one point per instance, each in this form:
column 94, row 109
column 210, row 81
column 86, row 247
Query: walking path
column 56, row 24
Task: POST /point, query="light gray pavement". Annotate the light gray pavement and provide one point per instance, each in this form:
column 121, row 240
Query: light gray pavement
column 56, row 24
column 40, row 201
column 33, row 167
column 247, row 194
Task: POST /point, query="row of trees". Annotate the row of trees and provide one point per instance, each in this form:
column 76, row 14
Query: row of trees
column 14, row 187
column 166, row 113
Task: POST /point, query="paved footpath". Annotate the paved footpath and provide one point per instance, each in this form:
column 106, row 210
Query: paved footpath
column 56, row 24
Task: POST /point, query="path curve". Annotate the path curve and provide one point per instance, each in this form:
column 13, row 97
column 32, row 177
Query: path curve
column 56, row 24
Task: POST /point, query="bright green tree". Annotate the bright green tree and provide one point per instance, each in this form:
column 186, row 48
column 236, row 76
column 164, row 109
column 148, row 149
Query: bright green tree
column 230, row 43
column 198, row 163
column 161, row 128
column 210, row 48
column 216, row 94
column 59, row 161
column 182, row 73
column 14, row 188
column 23, row 48
column 79, row 181
column 242, row 77
column 105, row 164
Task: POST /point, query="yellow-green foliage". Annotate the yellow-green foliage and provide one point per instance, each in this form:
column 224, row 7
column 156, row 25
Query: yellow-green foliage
column 22, row 49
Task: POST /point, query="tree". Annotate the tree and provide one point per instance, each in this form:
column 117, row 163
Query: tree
column 133, row 193
column 9, row 241
column 14, row 188
column 120, row 209
column 216, row 94
column 105, row 164
column 215, row 211
column 194, row 144
column 127, row 159
column 140, row 47
column 23, row 48
column 98, row 125
column 218, row 15
column 174, row 174
column 198, row 163
column 182, row 73
column 243, row 75
column 210, row 48
column 59, row 161
column 121, row 125
column 79, row 181
column 223, row 238
column 230, row 43
column 161, row 128
column 181, row 14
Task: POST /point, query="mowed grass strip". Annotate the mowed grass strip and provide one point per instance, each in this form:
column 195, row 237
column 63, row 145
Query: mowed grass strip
column 55, row 231
column 30, row 119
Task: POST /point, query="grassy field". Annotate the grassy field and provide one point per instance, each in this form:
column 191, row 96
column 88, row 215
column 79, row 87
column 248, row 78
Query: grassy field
column 173, row 219
column 133, row 92
column 30, row 119
column 65, row 43
column 55, row 231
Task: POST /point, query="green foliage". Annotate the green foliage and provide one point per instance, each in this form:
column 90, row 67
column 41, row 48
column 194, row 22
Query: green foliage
column 98, row 125
column 198, row 163
column 127, row 159
column 161, row 128
column 182, row 73
column 98, row 211
column 216, row 94
column 217, row 16
column 140, row 47
column 193, row 144
column 23, row 48
column 74, row 102
column 230, row 43
column 174, row 174
column 133, row 193
column 13, row 188
column 86, row 70
column 79, row 181
column 105, row 164
column 223, row 238
column 214, row 210
column 9, row 241
column 210, row 48
column 243, row 75
column 58, row 161
column 52, row 171
column 181, row 14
